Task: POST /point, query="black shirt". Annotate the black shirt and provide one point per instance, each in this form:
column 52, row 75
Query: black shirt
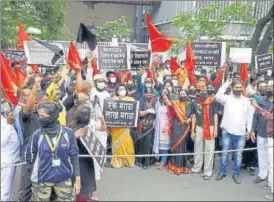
column 213, row 109
column 29, row 123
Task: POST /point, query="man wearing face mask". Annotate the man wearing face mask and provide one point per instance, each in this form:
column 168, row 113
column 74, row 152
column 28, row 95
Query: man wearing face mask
column 148, row 83
column 237, row 119
column 259, row 126
column 261, row 86
column 206, row 131
column 112, row 81
column 10, row 151
column 132, row 90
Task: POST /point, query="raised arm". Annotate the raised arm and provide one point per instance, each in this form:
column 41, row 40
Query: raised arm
column 220, row 96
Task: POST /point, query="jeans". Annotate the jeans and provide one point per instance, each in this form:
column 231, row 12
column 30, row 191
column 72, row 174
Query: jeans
column 163, row 158
column 237, row 142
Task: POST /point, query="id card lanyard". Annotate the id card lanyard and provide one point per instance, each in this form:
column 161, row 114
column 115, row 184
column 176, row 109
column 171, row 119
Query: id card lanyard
column 53, row 146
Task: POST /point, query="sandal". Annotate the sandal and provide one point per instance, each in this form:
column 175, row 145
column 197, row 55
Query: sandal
column 157, row 164
column 161, row 167
column 94, row 199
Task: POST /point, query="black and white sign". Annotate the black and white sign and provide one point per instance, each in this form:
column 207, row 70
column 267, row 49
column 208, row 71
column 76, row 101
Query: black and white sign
column 264, row 62
column 38, row 54
column 112, row 57
column 93, row 145
column 121, row 113
column 211, row 54
column 138, row 59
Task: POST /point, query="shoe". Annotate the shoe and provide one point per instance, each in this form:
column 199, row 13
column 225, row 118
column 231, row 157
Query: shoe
column 266, row 186
column 236, row 179
column 258, row 180
column 220, row 176
column 269, row 196
column 107, row 164
column 252, row 171
column 206, row 177
column 161, row 167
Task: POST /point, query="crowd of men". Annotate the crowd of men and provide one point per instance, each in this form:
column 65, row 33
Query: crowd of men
column 178, row 113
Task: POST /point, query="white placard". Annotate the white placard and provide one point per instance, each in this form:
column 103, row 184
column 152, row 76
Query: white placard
column 240, row 55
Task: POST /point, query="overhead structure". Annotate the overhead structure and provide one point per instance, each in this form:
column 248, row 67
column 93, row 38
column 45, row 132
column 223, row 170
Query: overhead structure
column 127, row 2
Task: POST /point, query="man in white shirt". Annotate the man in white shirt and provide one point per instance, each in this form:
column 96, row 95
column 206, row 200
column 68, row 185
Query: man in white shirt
column 236, row 125
column 10, row 153
column 252, row 87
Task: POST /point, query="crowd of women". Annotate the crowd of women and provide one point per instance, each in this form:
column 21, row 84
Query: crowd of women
column 179, row 113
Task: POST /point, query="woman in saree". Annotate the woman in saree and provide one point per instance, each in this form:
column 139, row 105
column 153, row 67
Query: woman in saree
column 122, row 143
column 180, row 114
column 146, row 129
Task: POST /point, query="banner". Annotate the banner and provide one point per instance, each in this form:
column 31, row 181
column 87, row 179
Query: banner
column 138, row 59
column 93, row 145
column 264, row 62
column 112, row 57
column 240, row 55
column 38, row 54
column 15, row 56
column 211, row 54
column 121, row 113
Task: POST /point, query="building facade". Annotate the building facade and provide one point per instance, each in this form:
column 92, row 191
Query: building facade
column 163, row 14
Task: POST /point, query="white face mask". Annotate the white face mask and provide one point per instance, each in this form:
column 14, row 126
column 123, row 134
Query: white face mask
column 175, row 83
column 101, row 85
column 112, row 80
column 148, row 85
column 122, row 93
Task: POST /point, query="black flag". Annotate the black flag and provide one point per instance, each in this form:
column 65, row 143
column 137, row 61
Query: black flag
column 58, row 52
column 84, row 35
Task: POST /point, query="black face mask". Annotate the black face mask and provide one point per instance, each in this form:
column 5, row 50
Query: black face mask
column 48, row 121
column 131, row 87
column 269, row 93
column 183, row 98
column 203, row 96
column 192, row 92
column 210, row 92
column 237, row 92
column 262, row 92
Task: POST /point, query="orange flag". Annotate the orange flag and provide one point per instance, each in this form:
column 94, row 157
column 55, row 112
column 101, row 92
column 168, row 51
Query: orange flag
column 35, row 68
column 22, row 36
column 73, row 57
column 158, row 41
column 8, row 86
column 20, row 75
column 190, row 59
column 244, row 76
column 173, row 65
column 94, row 67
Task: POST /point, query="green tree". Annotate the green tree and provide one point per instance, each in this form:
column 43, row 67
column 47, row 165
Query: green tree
column 48, row 16
column 117, row 27
column 199, row 23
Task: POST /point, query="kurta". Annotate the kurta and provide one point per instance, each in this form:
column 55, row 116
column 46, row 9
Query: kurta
column 10, row 153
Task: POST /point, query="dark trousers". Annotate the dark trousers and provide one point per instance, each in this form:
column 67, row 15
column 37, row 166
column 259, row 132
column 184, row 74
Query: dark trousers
column 250, row 158
column 25, row 192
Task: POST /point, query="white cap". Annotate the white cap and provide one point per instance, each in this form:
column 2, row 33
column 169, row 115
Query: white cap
column 98, row 76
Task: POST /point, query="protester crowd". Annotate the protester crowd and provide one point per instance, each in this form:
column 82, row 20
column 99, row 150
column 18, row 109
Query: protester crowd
column 179, row 112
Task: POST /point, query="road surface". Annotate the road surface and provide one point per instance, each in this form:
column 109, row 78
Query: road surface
column 136, row 184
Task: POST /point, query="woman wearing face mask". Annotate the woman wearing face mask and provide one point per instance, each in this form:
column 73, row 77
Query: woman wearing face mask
column 87, row 169
column 162, row 139
column 146, row 129
column 53, row 152
column 122, row 143
column 180, row 115
column 133, row 90
column 169, row 91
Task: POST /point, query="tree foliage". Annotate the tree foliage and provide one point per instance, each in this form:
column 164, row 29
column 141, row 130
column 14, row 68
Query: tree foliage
column 117, row 27
column 48, row 16
column 200, row 23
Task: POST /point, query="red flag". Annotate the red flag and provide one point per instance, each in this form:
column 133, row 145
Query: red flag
column 190, row 59
column 149, row 73
column 158, row 41
column 20, row 75
column 73, row 56
column 94, row 67
column 8, row 87
column 173, row 65
column 22, row 36
column 244, row 76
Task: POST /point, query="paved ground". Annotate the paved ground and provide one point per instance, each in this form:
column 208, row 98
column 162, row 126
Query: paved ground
column 136, row 184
